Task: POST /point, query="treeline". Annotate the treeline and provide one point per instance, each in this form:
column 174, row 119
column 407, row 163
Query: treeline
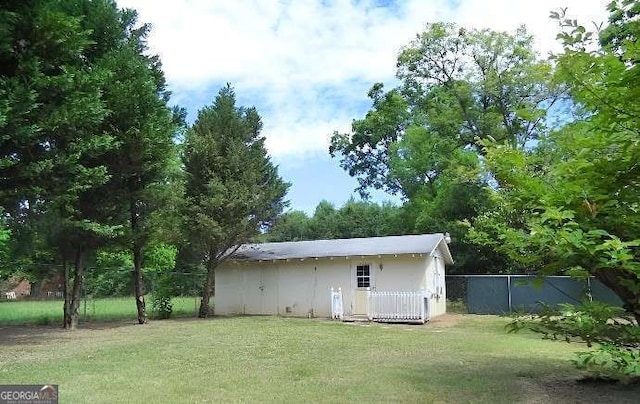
column 353, row 219
column 357, row 218
column 98, row 172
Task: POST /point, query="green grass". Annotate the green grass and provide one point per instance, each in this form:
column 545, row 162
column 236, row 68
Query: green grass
column 457, row 358
column 44, row 312
column 271, row 359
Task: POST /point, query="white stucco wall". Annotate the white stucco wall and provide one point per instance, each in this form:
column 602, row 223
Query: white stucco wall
column 300, row 287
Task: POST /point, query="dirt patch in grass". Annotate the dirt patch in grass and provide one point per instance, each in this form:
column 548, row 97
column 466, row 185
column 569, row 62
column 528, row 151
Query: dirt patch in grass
column 572, row 390
column 446, row 320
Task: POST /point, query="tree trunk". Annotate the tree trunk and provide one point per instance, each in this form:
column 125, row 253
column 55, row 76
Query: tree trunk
column 615, row 280
column 137, row 246
column 66, row 319
column 209, row 288
column 138, row 283
column 71, row 322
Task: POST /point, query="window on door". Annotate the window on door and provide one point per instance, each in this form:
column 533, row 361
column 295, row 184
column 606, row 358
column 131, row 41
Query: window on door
column 363, row 276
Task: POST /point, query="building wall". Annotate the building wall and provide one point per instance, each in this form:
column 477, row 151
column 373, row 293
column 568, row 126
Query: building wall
column 302, row 287
column 22, row 289
column 436, row 286
column 293, row 288
column 403, row 273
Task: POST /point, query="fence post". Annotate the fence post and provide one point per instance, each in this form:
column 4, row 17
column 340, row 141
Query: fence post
column 509, row 291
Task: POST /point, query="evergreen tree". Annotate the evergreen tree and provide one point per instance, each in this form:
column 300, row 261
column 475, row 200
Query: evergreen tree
column 85, row 130
column 232, row 188
column 144, row 126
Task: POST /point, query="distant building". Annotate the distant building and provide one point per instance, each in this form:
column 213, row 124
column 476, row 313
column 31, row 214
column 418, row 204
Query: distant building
column 15, row 288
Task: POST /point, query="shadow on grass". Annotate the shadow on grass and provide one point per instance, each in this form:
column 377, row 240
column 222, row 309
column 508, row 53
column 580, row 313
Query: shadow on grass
column 26, row 334
column 500, row 379
column 36, row 334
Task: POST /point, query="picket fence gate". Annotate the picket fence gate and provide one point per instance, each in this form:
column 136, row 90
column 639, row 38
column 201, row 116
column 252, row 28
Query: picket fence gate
column 398, row 306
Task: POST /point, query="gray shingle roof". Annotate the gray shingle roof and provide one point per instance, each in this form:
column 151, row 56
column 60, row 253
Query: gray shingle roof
column 391, row 245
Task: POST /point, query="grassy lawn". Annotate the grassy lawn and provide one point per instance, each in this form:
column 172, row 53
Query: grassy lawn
column 462, row 359
column 43, row 312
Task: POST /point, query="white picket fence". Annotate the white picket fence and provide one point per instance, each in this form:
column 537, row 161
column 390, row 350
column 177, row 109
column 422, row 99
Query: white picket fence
column 398, row 306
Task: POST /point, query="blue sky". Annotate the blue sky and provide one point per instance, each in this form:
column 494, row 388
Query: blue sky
column 307, row 65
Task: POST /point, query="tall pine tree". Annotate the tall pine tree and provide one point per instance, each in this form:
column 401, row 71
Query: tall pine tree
column 232, row 187
column 143, row 126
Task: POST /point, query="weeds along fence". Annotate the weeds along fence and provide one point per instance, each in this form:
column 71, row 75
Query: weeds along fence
column 499, row 294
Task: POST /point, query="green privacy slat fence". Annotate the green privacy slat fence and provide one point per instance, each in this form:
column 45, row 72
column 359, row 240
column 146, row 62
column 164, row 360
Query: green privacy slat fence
column 498, row 294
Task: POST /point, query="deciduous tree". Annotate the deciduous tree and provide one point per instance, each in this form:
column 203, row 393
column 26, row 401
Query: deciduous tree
column 420, row 140
column 572, row 206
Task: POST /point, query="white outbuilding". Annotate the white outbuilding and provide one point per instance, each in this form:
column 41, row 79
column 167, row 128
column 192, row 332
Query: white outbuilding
column 395, row 278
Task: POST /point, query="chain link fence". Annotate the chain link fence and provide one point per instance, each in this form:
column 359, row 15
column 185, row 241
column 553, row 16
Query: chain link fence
column 498, row 294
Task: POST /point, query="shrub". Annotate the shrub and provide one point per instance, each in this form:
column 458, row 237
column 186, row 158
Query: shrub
column 162, row 294
column 614, row 333
column 162, row 306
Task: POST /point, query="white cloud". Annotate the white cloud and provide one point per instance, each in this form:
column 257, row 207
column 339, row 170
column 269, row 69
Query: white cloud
column 506, row 15
column 290, row 54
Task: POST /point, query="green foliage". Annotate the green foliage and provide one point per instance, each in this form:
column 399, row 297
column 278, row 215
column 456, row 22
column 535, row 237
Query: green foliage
column 610, row 361
column 571, row 205
column 160, row 260
column 111, row 274
column 353, row 219
column 609, row 328
column 5, row 237
column 189, row 274
column 290, row 226
column 421, row 139
column 162, row 306
column 160, row 257
column 51, row 86
column 232, row 188
column 591, row 322
column 457, row 86
column 86, row 135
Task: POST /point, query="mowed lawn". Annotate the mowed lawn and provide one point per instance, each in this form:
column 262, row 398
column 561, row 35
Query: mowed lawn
column 458, row 358
column 44, row 312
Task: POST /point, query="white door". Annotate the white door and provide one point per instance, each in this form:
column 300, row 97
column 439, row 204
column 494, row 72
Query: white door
column 363, row 286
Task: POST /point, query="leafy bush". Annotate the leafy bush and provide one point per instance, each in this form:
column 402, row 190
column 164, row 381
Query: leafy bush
column 613, row 331
column 610, row 361
column 162, row 306
column 162, row 294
